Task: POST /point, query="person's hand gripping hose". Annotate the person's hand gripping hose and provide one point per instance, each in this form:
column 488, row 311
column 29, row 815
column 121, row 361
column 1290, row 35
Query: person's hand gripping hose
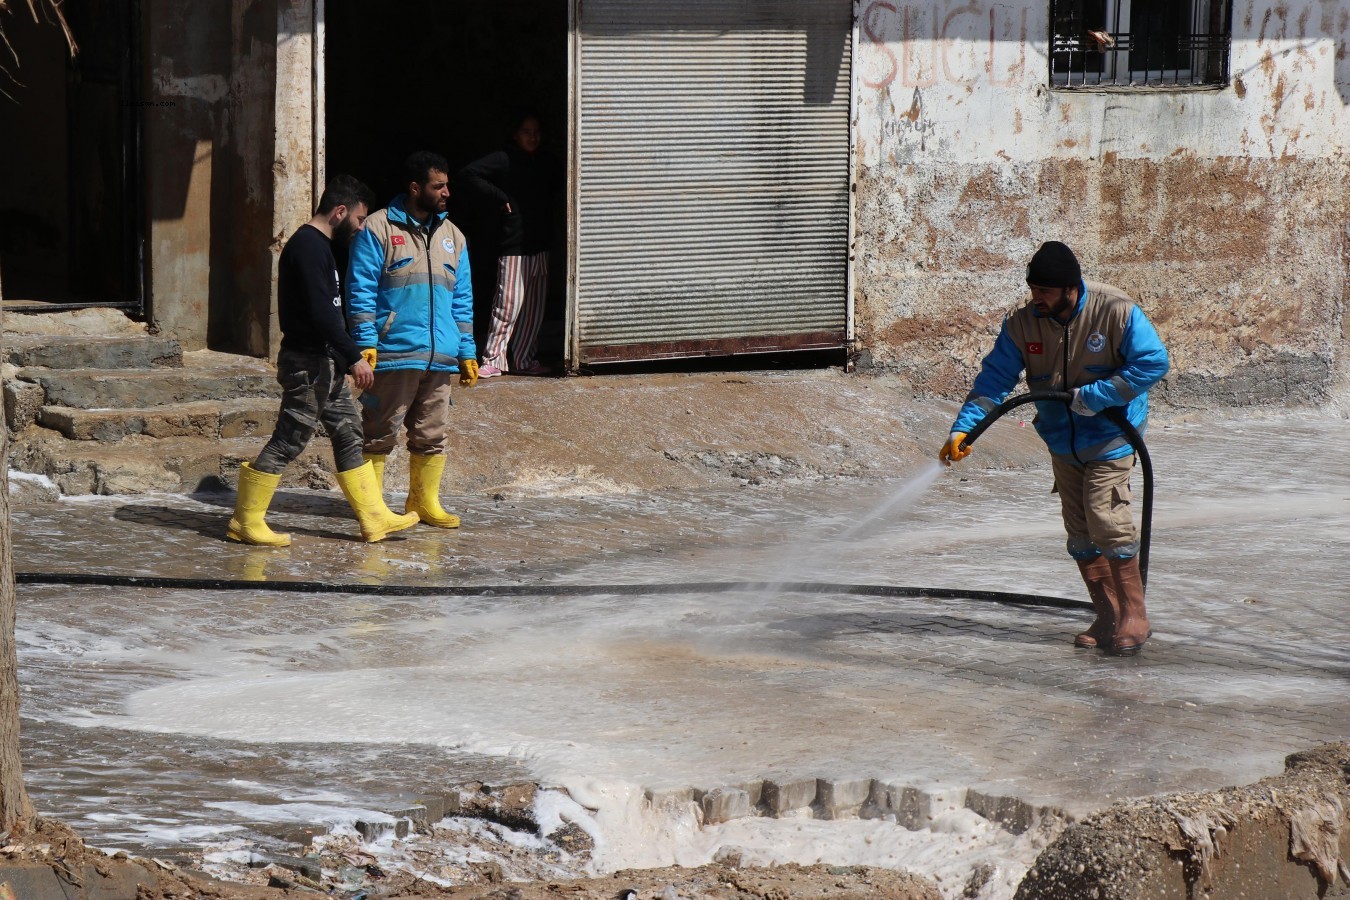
column 1079, row 406
column 952, row 451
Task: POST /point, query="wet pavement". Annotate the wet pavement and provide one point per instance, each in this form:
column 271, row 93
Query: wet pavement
column 159, row 717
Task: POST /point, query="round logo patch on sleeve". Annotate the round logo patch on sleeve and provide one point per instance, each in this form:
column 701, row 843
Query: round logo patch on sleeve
column 448, row 244
column 1096, row 342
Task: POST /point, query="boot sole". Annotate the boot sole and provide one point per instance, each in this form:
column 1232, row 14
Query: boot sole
column 1131, row 649
column 243, row 540
column 381, row 535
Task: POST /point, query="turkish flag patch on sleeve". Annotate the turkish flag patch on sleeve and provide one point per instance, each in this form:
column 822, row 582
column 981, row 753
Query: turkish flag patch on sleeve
column 398, row 241
column 1035, row 349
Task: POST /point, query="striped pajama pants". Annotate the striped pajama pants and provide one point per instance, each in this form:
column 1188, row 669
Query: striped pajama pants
column 517, row 311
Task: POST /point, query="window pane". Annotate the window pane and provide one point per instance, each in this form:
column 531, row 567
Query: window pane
column 1157, row 27
column 1073, row 19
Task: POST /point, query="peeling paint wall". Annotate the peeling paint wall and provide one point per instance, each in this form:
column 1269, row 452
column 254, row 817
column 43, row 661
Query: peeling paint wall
column 208, row 170
column 1223, row 211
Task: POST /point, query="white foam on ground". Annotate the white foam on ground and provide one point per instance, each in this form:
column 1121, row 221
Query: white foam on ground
column 579, row 482
column 631, row 833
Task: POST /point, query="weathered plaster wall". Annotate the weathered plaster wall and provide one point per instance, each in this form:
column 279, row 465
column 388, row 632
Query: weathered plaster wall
column 208, row 160
column 1223, row 211
column 290, row 175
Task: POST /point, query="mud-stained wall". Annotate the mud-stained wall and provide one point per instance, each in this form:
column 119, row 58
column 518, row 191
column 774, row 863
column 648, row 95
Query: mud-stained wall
column 1223, row 211
column 208, row 170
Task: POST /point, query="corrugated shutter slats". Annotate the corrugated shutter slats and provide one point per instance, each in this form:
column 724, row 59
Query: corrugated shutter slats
column 713, row 147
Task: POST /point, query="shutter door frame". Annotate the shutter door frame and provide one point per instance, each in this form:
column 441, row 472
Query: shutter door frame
column 603, row 329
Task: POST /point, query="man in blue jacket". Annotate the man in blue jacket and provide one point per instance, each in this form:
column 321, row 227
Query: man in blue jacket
column 1090, row 339
column 410, row 310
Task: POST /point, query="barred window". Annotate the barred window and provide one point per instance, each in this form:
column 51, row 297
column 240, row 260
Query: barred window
column 1141, row 43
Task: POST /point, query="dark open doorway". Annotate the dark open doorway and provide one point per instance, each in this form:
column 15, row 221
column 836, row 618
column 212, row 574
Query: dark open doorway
column 431, row 76
column 71, row 211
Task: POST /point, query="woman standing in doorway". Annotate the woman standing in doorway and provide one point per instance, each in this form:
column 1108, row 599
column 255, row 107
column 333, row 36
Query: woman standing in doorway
column 523, row 184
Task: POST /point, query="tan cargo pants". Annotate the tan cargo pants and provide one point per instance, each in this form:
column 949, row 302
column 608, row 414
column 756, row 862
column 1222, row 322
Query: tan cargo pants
column 415, row 399
column 1095, row 502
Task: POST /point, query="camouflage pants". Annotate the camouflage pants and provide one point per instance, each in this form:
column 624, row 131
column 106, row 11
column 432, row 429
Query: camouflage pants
column 312, row 392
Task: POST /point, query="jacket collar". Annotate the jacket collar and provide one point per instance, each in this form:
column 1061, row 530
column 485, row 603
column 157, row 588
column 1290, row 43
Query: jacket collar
column 398, row 212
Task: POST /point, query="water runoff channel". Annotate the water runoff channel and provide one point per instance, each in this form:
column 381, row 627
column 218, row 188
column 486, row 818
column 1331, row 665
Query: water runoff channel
column 721, row 640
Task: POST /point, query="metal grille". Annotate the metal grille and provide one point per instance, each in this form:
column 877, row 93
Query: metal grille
column 712, row 200
column 1156, row 43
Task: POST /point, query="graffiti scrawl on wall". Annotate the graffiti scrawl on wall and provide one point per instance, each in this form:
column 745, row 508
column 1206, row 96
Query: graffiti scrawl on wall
column 916, row 46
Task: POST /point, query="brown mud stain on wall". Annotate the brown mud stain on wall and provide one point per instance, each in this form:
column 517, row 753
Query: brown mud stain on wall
column 1242, row 265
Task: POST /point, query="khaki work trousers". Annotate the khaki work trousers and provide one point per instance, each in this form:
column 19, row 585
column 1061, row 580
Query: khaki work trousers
column 1095, row 502
column 416, row 399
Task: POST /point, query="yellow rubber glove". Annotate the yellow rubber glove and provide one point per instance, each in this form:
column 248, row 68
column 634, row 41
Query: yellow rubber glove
column 369, row 355
column 468, row 372
column 951, row 451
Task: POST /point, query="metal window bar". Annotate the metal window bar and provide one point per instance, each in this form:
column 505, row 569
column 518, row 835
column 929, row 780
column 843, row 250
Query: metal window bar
column 1164, row 43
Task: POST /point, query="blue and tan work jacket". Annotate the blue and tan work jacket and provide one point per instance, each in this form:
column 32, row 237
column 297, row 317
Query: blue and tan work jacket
column 409, row 293
column 1108, row 349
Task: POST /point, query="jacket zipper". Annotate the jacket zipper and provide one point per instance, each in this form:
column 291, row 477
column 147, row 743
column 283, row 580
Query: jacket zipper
column 431, row 294
column 1073, row 436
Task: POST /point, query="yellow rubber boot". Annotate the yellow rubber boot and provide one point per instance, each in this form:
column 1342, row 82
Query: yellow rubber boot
column 424, row 490
column 376, row 461
column 255, row 495
column 363, row 493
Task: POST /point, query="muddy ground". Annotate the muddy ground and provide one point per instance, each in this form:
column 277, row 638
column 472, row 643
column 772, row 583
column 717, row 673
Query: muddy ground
column 49, row 843
column 1287, row 837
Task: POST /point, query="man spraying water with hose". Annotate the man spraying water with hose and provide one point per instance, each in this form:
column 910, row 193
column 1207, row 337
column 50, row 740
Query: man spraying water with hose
column 1092, row 342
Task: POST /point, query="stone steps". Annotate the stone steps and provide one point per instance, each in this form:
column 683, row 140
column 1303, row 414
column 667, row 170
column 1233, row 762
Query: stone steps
column 91, row 352
column 140, row 464
column 130, row 413
column 142, row 388
column 246, row 417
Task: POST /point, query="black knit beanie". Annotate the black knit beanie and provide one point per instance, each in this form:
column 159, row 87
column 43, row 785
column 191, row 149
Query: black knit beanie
column 1054, row 265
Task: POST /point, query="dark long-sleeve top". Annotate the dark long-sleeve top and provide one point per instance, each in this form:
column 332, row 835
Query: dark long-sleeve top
column 530, row 182
column 309, row 299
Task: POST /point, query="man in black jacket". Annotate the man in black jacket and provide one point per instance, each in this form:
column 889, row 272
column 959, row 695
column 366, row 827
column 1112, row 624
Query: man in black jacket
column 316, row 355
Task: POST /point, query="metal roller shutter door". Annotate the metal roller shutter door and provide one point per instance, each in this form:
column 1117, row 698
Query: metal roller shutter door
column 712, row 188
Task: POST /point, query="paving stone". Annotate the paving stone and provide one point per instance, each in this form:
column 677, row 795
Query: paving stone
column 374, row 829
column 1014, row 814
column 785, row 796
column 724, row 804
column 838, row 799
column 667, row 796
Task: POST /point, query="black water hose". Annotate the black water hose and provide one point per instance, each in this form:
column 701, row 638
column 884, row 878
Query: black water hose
column 1117, row 417
column 536, row 590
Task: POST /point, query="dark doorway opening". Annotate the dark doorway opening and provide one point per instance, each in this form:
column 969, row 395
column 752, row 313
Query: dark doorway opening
column 448, row 78
column 71, row 210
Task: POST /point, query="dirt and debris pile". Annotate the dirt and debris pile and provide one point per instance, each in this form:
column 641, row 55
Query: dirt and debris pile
column 1287, row 836
column 45, row 860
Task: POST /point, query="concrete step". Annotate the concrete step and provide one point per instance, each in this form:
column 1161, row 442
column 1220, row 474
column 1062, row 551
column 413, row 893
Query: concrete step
column 246, row 417
column 92, row 352
column 144, row 388
column 141, row 464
